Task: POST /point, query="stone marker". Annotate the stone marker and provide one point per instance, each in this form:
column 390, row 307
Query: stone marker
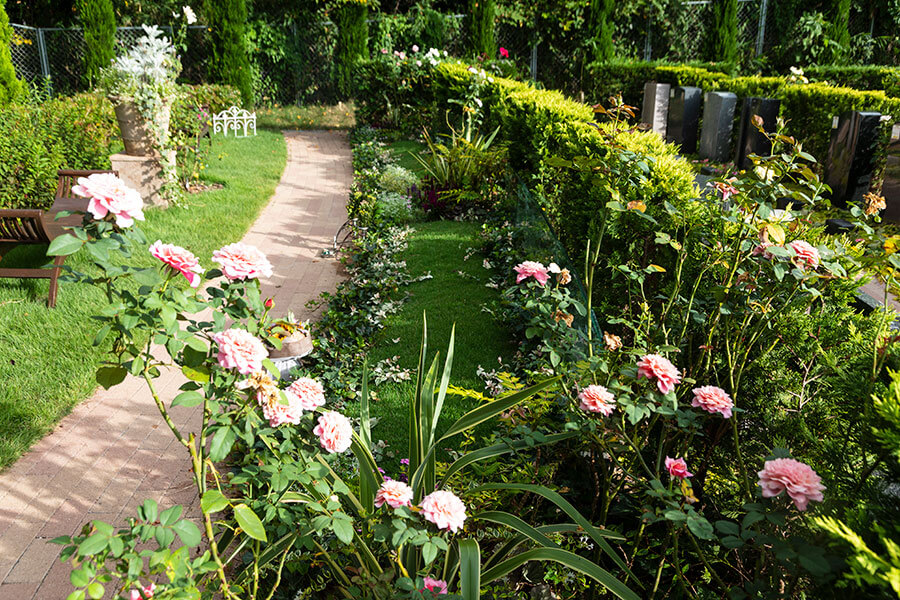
column 656, row 106
column 750, row 140
column 684, row 117
column 851, row 156
column 718, row 120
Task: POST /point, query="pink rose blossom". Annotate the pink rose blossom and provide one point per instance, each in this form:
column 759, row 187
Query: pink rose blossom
column 654, row 366
column 596, row 398
column 242, row 261
column 504, row 53
column 798, row 479
column 239, row 349
column 762, row 250
column 713, row 399
column 179, row 260
column 309, row 392
column 334, row 431
column 677, row 468
column 148, row 592
column 395, row 493
column 110, row 196
column 530, row 268
column 435, row 586
column 415, row 48
column 277, row 413
column 444, row 509
column 805, row 254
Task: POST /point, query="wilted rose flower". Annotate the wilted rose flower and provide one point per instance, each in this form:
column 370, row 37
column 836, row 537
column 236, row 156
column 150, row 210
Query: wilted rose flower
column 560, row 315
column 564, row 277
column 874, row 203
column 613, row 342
column 798, row 479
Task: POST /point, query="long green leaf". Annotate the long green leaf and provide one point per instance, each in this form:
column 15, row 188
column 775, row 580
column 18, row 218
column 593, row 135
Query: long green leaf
column 416, row 453
column 469, row 570
column 357, row 505
column 445, row 383
column 511, row 545
column 479, row 415
column 568, row 559
column 366, row 489
column 517, row 525
column 498, row 450
column 426, row 441
column 368, row 468
column 594, row 533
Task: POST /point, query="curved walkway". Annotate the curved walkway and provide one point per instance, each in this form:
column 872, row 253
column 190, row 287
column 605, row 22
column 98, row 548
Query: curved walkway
column 113, row 450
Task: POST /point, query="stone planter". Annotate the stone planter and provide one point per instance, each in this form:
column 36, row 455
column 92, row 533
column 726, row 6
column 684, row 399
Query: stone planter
column 137, row 137
column 296, row 346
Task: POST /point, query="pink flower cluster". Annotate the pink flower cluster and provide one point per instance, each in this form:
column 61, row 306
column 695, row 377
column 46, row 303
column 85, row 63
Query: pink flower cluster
column 394, row 493
column 529, row 268
column 240, row 350
column 179, row 260
column 713, row 399
column 435, row 586
column 309, row 393
column 805, row 254
column 277, row 413
column 148, row 592
column 334, row 431
column 677, row 467
column 241, row 261
column 110, row 196
column 444, row 509
column 798, row 479
column 597, row 399
column 655, row 366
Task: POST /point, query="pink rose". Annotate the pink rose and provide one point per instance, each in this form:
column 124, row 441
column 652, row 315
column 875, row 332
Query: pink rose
column 110, row 196
column 334, row 431
column 179, row 260
column 713, row 399
column 277, row 413
column 504, row 53
column 805, row 254
column 415, row 48
column 530, row 268
column 148, row 592
column 444, row 509
column 242, row 261
column 309, row 392
column 395, row 493
column 677, row 468
column 596, row 398
column 435, row 586
column 239, row 349
column 798, row 479
column 654, row 366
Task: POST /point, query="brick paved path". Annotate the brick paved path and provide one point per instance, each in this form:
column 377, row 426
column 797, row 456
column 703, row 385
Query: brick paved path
column 114, row 450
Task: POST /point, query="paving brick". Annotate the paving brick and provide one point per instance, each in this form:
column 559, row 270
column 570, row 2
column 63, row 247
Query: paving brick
column 34, row 563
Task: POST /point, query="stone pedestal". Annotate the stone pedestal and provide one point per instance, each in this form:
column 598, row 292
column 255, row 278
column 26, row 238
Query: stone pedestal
column 750, row 140
column 718, row 121
column 143, row 173
column 684, row 118
column 851, row 156
column 656, row 106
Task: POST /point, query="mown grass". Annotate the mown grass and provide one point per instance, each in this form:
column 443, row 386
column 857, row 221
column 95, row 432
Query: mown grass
column 449, row 299
column 47, row 362
column 403, row 150
column 315, row 116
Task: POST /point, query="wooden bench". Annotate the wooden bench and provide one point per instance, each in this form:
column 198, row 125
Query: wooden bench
column 31, row 226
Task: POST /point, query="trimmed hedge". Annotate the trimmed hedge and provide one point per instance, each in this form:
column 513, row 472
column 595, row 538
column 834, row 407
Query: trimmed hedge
column 74, row 132
column 859, row 77
column 535, row 124
column 808, row 108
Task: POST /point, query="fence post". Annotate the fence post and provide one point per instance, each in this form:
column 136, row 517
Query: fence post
column 761, row 29
column 534, row 62
column 45, row 63
column 648, row 49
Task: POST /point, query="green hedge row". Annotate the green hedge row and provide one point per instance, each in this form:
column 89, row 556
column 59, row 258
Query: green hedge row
column 535, row 124
column 75, row 132
column 808, row 108
column 859, row 77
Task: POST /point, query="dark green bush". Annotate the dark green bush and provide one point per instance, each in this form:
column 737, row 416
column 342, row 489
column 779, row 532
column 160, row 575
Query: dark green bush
column 725, row 31
column 229, row 63
column 99, row 23
column 480, row 21
column 352, row 43
column 10, row 87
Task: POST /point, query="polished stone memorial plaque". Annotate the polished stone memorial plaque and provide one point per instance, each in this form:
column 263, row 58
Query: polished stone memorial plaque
column 718, row 121
column 684, row 118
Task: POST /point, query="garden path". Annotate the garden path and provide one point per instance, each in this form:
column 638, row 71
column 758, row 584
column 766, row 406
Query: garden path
column 114, row 450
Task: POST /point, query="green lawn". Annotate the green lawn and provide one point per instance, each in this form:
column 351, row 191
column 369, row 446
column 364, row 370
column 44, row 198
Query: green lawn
column 47, row 362
column 449, row 298
column 403, row 150
column 315, row 116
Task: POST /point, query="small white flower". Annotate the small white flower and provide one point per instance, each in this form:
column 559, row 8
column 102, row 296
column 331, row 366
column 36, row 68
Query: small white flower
column 418, row 63
column 554, row 268
column 415, row 48
column 491, row 79
column 472, row 70
column 189, row 15
column 478, row 102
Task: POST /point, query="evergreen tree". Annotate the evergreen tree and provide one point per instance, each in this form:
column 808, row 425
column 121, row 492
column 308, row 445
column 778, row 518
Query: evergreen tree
column 10, row 87
column 602, row 29
column 351, row 18
column 481, row 28
column 841, row 29
column 725, row 31
column 230, row 63
column 99, row 23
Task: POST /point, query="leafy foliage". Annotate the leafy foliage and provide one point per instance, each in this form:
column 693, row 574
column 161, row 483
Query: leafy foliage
column 352, row 44
column 229, row 62
column 10, row 86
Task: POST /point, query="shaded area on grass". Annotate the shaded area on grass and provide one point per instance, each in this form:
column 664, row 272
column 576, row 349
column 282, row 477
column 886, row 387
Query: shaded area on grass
column 448, row 298
column 47, row 362
column 403, row 150
column 315, row 116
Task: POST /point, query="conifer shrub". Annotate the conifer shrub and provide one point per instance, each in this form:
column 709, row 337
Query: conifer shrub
column 99, row 22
